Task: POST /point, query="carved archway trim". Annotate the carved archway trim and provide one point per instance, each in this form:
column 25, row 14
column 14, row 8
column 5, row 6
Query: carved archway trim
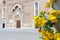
column 19, row 5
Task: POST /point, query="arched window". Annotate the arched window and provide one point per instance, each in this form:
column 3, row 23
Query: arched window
column 36, row 8
column 3, row 13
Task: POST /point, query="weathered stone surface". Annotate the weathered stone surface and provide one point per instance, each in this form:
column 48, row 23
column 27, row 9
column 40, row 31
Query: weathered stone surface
column 25, row 12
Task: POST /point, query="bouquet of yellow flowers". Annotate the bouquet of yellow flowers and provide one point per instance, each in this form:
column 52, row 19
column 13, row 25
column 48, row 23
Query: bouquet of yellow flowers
column 45, row 21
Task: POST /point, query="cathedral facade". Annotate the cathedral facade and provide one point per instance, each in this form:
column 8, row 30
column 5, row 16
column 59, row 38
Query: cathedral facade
column 19, row 13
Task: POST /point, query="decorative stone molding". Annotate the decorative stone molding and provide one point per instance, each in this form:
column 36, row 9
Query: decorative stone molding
column 20, row 7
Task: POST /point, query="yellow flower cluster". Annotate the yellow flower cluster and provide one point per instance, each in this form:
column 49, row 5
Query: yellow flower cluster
column 49, row 4
column 42, row 22
column 53, row 18
column 47, row 35
column 53, row 15
column 39, row 20
column 56, row 12
column 45, row 24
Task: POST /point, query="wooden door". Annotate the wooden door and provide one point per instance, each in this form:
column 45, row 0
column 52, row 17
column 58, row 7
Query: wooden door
column 18, row 24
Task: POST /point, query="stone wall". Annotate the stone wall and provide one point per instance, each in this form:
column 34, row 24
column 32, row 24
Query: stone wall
column 26, row 14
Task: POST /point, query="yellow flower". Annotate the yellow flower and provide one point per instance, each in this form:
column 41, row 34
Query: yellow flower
column 51, row 1
column 36, row 18
column 47, row 5
column 43, row 33
column 42, row 22
column 46, row 38
column 47, row 35
column 53, row 12
column 40, row 12
column 58, row 11
column 58, row 35
column 53, row 18
column 50, row 35
column 58, row 38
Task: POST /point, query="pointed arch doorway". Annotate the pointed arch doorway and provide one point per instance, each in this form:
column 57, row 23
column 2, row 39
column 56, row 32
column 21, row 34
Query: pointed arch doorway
column 17, row 20
column 17, row 10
